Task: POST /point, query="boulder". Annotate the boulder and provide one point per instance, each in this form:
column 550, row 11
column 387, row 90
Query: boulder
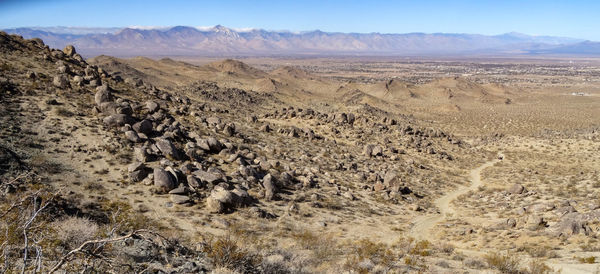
column 136, row 166
column 229, row 130
column 208, row 177
column 139, row 175
column 535, row 222
column 117, row 120
column 69, row 50
column 516, row 189
column 179, row 199
column 214, row 144
column 137, row 171
column 167, row 148
column 222, row 200
column 164, row 180
column 194, row 183
column 214, row 206
column 103, row 94
column 210, row 144
column 219, row 200
column 270, row 187
column 140, row 154
column 61, row 81
column 144, row 126
column 377, row 151
column 132, row 136
column 78, row 80
column 368, row 150
column 152, row 106
column 571, row 224
column 265, row 128
column 391, row 179
column 242, row 198
column 378, row 186
column 507, row 224
column 109, row 108
column 213, row 120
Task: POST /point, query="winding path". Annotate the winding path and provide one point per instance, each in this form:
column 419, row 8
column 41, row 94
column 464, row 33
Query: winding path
column 422, row 226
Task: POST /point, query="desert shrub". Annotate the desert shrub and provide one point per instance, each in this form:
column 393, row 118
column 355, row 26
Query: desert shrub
column 306, row 239
column 446, row 248
column 42, row 163
column 414, row 253
column 282, row 261
column 591, row 246
column 71, row 232
column 421, row 248
column 323, row 247
column 123, row 217
column 474, row 263
column 540, row 251
column 63, row 112
column 539, row 267
column 505, row 263
column 443, row 264
column 587, row 260
column 225, row 252
column 367, row 254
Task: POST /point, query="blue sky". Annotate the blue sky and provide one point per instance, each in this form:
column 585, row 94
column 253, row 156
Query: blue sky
column 575, row 18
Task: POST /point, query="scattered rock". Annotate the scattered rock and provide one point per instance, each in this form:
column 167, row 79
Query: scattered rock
column 179, row 199
column 152, row 106
column 144, row 126
column 270, row 188
column 164, row 180
column 69, row 50
column 118, row 120
column 208, row 177
column 61, row 81
column 103, row 94
column 516, row 189
column 167, row 148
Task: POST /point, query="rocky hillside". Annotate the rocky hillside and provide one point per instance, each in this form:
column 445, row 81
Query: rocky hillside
column 101, row 173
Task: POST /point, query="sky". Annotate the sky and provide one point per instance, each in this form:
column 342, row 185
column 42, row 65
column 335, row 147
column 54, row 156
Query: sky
column 574, row 18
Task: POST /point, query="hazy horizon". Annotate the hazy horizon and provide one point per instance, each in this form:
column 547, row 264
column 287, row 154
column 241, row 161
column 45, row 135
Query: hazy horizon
column 114, row 29
column 576, row 19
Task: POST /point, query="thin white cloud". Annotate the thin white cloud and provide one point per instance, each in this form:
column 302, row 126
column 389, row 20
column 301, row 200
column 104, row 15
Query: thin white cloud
column 149, row 27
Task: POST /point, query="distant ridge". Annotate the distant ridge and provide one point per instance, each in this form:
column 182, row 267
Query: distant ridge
column 223, row 41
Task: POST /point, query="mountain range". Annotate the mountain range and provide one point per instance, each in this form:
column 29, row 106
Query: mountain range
column 223, row 41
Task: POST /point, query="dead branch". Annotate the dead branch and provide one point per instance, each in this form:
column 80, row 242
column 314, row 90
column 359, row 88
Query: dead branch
column 23, row 175
column 66, row 257
column 19, row 203
column 28, row 224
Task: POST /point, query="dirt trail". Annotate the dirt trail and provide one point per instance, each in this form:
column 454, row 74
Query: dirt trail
column 423, row 224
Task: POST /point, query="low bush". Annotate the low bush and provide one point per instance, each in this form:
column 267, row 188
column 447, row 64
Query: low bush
column 505, row 263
